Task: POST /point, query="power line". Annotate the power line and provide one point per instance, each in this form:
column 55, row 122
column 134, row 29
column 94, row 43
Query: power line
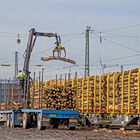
column 120, row 58
column 120, row 35
column 73, row 34
column 116, row 43
column 55, row 69
column 115, row 59
column 7, row 56
column 11, row 33
column 121, row 45
column 74, row 37
column 45, row 50
column 121, row 28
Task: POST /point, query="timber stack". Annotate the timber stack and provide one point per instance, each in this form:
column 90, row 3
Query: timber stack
column 116, row 92
column 128, row 93
column 60, row 98
column 54, row 96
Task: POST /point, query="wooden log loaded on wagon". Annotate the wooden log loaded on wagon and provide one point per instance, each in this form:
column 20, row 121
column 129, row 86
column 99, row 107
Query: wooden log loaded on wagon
column 56, row 98
column 113, row 93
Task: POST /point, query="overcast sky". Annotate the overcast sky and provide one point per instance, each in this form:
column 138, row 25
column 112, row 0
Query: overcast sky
column 69, row 18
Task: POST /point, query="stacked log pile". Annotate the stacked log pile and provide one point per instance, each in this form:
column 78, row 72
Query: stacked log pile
column 85, row 94
column 52, row 92
column 115, row 92
column 79, row 94
column 91, row 94
column 97, row 94
column 98, row 88
column 129, row 91
column 112, row 96
column 60, row 98
column 134, row 91
column 105, row 93
column 103, row 89
column 37, row 99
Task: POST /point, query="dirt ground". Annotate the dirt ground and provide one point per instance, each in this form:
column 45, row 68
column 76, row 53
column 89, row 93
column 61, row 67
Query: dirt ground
column 63, row 134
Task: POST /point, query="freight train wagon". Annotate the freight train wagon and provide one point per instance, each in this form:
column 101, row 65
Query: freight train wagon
column 112, row 99
column 108, row 100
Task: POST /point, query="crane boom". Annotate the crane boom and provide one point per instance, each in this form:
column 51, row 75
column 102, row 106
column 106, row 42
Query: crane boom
column 31, row 42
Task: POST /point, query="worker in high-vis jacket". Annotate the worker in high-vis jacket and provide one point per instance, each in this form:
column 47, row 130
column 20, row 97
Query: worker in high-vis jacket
column 21, row 76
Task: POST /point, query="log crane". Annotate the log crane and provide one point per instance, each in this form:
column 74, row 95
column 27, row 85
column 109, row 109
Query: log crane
column 33, row 34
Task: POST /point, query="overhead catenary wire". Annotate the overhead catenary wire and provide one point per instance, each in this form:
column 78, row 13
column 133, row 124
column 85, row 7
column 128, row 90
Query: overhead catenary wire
column 42, row 51
column 116, row 43
column 120, row 58
column 122, row 28
column 7, row 56
column 12, row 33
column 121, row 35
column 74, row 37
column 72, row 34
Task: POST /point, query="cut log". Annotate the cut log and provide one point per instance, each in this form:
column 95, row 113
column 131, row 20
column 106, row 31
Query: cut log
column 58, row 58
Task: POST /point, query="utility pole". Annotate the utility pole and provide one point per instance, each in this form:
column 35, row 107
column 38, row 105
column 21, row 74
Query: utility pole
column 16, row 63
column 16, row 57
column 121, row 68
column 87, row 73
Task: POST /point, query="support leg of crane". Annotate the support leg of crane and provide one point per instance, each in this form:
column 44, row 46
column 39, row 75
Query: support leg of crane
column 39, row 122
column 12, row 125
column 8, row 120
column 26, row 120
